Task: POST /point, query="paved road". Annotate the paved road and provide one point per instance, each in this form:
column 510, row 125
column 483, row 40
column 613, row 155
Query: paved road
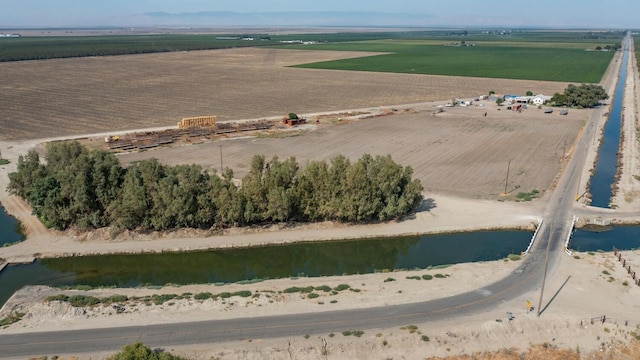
column 528, row 276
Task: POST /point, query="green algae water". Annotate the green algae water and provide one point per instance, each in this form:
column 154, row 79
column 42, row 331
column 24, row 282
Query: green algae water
column 269, row 262
column 9, row 229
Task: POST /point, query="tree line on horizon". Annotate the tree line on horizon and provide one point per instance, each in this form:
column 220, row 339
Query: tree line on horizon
column 87, row 189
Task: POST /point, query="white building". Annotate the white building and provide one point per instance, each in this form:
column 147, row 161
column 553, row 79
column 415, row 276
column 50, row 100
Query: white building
column 540, row 99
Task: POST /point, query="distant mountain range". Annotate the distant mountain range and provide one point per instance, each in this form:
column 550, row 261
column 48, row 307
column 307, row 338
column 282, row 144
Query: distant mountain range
column 225, row 18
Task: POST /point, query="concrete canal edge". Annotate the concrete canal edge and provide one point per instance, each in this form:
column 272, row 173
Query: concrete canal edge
column 16, row 261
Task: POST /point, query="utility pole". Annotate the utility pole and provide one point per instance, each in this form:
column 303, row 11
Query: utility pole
column 221, row 168
column 506, row 182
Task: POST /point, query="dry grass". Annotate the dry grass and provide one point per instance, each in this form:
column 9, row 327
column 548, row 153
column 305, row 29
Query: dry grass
column 88, row 95
column 546, row 351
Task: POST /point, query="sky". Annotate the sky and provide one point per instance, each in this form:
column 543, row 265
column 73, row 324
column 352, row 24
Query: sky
column 592, row 14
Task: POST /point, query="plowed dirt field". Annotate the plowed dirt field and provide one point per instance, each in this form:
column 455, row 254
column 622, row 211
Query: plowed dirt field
column 88, row 95
column 458, row 152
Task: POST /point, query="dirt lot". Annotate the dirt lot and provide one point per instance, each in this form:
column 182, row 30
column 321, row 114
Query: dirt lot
column 458, row 152
column 88, row 95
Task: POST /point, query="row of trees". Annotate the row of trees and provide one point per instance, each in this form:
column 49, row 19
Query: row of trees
column 583, row 96
column 89, row 189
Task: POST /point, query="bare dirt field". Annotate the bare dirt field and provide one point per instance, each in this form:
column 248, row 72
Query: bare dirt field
column 458, row 152
column 87, row 95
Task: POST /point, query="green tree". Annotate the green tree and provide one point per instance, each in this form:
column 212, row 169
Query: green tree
column 314, row 192
column 44, row 198
column 583, row 96
column 130, row 210
column 229, row 202
column 28, row 171
column 499, row 101
column 138, row 351
column 89, row 189
column 529, row 93
column 254, row 191
column 279, row 182
column 339, row 188
column 107, row 177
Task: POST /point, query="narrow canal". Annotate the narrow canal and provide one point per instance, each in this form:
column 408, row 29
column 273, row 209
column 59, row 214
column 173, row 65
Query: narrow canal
column 601, row 182
column 269, row 262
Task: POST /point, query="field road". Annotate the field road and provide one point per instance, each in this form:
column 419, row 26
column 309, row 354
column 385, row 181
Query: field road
column 527, row 277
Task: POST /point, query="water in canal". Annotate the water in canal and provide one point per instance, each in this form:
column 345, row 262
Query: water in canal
column 622, row 237
column 282, row 261
column 605, row 169
column 9, row 229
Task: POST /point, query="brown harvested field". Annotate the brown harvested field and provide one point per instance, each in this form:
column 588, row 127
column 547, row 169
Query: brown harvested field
column 89, row 95
column 459, row 152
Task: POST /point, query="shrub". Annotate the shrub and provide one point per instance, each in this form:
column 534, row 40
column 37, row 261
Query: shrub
column 161, row 299
column 356, row 333
column 242, row 293
column 11, row 318
column 439, row 276
column 413, row 277
column 114, row 299
column 203, row 296
column 83, row 300
column 312, row 296
column 513, row 257
column 427, row 277
column 138, row 350
column 341, row 287
column 59, row 297
column 425, row 338
column 389, row 279
column 324, row 288
column 293, row 289
column 410, row 328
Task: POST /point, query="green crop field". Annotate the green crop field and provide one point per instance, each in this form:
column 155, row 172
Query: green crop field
column 540, row 60
column 50, row 47
column 529, row 55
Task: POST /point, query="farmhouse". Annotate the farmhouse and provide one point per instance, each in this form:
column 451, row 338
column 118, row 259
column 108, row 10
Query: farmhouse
column 536, row 100
column 540, row 99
